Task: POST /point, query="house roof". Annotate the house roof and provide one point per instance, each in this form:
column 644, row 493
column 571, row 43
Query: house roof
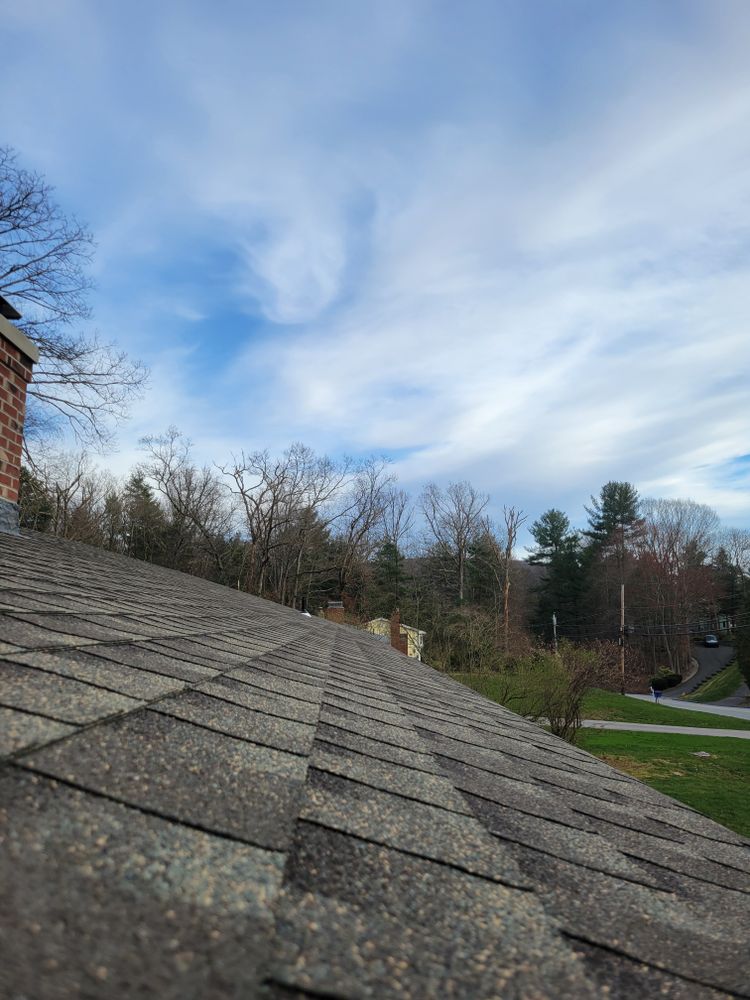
column 207, row 795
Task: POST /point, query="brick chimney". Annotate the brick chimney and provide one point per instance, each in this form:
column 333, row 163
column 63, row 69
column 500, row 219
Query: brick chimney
column 335, row 612
column 17, row 357
column 398, row 641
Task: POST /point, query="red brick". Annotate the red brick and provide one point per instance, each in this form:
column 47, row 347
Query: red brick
column 15, row 374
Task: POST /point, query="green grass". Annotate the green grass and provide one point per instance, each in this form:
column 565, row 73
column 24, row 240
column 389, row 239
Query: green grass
column 496, row 687
column 722, row 685
column 608, row 705
column 600, row 704
column 716, row 786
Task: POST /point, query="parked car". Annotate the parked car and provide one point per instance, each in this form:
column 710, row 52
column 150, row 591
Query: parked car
column 710, row 640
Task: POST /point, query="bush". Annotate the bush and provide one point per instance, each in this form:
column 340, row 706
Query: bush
column 552, row 688
column 665, row 680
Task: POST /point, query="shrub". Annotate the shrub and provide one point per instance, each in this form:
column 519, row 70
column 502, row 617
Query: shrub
column 552, row 688
column 665, row 680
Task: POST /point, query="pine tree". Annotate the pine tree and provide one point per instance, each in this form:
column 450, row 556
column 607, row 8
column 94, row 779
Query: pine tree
column 613, row 515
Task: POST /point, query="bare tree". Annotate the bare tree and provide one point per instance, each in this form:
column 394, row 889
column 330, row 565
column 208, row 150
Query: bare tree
column 398, row 515
column 362, row 508
column 513, row 519
column 283, row 501
column 454, row 516
column 496, row 554
column 75, row 491
column 736, row 543
column 195, row 496
column 673, row 584
column 43, row 259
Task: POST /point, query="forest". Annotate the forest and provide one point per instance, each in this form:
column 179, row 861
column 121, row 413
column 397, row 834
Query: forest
column 302, row 529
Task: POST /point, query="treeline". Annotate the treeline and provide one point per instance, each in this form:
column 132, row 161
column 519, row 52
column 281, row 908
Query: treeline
column 302, row 529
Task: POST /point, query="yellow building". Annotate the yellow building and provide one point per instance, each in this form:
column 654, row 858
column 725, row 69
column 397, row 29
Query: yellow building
column 411, row 639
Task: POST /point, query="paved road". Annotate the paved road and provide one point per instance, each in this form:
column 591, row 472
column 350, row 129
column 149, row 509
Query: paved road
column 688, row 706
column 643, row 727
column 741, row 698
column 709, row 661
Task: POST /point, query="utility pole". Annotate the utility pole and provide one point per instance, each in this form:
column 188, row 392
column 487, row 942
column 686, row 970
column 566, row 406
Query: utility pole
column 554, row 632
column 622, row 638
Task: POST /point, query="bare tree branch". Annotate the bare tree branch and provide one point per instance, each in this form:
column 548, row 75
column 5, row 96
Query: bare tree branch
column 44, row 253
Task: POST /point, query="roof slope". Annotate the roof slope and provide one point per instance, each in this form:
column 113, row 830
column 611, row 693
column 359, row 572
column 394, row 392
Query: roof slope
column 208, row 795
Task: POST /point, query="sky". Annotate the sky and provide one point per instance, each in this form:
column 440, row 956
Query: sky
column 500, row 241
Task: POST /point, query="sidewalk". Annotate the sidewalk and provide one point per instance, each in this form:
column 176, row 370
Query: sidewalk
column 730, row 712
column 644, row 727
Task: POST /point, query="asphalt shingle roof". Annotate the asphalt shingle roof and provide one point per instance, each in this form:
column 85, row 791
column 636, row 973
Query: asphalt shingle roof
column 207, row 795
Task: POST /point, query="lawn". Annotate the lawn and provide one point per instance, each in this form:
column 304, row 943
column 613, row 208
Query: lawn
column 722, row 685
column 716, row 785
column 600, row 704
column 608, row 705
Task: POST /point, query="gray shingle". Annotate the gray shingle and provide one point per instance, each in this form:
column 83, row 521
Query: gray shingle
column 283, row 734
column 19, row 730
column 300, row 806
column 179, row 770
column 88, row 667
column 407, row 825
column 253, row 697
column 58, row 697
column 140, row 906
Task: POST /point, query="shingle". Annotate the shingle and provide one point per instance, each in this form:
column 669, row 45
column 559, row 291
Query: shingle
column 140, row 906
column 336, row 949
column 269, row 730
column 377, row 749
column 19, row 730
column 26, row 635
column 267, row 681
column 403, row 736
column 99, row 627
column 322, row 815
column 654, row 927
column 366, row 711
column 288, row 669
column 192, row 652
column 406, row 825
column 148, row 657
column 252, row 697
column 58, row 697
column 678, row 817
column 520, row 793
column 618, row 976
column 608, row 818
column 389, row 777
column 173, row 768
column 84, row 666
column 561, row 840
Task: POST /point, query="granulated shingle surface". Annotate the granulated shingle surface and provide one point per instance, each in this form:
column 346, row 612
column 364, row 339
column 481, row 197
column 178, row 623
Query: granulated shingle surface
column 205, row 795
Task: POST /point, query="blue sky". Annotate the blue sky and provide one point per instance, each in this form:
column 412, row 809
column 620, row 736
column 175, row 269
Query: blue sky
column 503, row 241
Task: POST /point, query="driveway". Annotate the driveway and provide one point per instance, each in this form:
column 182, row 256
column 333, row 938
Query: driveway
column 709, row 661
column 741, row 697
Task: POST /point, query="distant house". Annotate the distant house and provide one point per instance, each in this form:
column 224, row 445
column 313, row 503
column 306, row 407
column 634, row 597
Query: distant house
column 407, row 638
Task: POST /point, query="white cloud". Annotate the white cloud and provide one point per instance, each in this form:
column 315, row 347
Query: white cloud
column 540, row 305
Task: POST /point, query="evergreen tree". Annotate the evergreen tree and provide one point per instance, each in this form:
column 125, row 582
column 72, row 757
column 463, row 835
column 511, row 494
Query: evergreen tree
column 144, row 523
column 562, row 588
column 386, row 581
column 551, row 532
column 36, row 505
column 731, row 583
column 613, row 515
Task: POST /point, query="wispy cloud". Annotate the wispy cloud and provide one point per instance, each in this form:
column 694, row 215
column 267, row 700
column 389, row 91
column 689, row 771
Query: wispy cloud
column 512, row 245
